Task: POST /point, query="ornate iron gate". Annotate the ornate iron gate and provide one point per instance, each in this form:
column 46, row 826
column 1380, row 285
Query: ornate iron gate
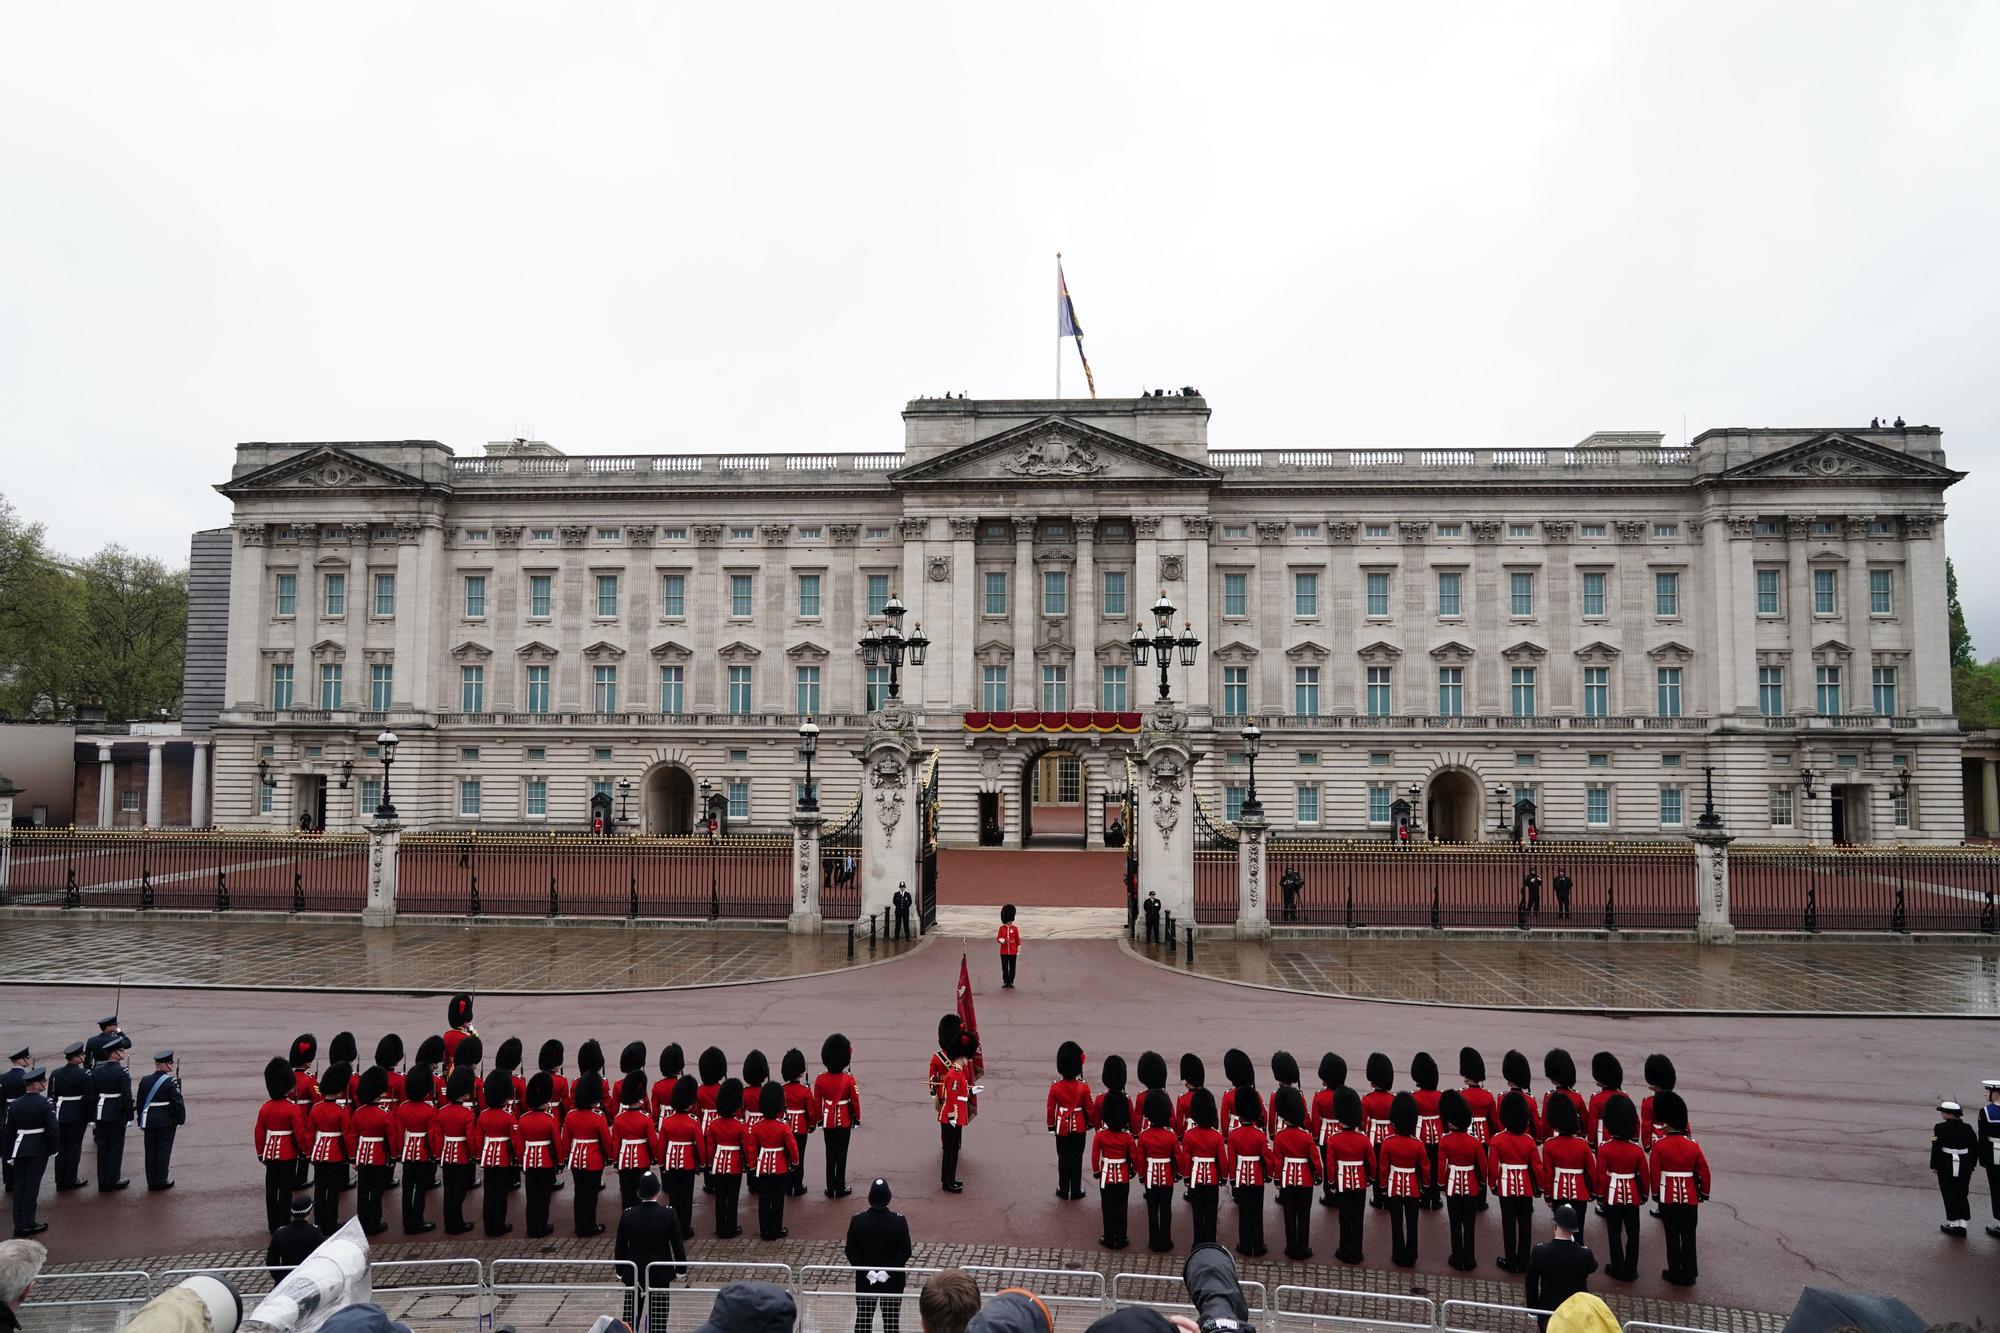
column 927, row 843
column 1131, row 818
column 840, row 867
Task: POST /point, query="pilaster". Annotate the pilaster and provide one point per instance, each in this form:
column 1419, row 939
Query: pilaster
column 890, row 815
column 1252, row 862
column 384, row 836
column 805, row 918
column 1165, row 810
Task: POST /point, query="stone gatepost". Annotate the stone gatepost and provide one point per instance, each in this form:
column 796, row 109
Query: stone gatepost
column 1253, row 922
column 384, row 836
column 1711, row 858
column 805, row 918
column 1164, row 823
column 891, row 822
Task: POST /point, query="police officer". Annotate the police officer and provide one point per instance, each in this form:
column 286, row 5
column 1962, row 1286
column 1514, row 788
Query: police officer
column 902, row 901
column 1152, row 910
column 161, row 1114
column 1562, row 884
column 1989, row 1148
column 27, row 1136
column 111, row 1109
column 13, row 1083
column 1954, row 1147
column 69, row 1089
column 1289, row 884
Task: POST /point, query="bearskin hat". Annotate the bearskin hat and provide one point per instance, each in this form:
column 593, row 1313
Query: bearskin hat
column 1193, row 1072
column 459, row 1012
column 1069, row 1060
column 470, row 1052
column 1424, row 1071
column 1381, row 1072
column 1007, row 915
column 1561, row 1115
column 278, row 1078
column 419, row 1086
column 508, row 1057
column 756, row 1070
column 1236, row 1067
column 673, row 1063
column 1113, row 1076
column 1559, row 1068
column 712, row 1065
column 462, row 1084
column 1453, row 1109
column 342, row 1050
column 967, row 1048
column 1332, row 1071
column 1403, row 1113
column 1347, row 1107
column 1515, row 1069
column 771, row 1101
column 1670, row 1111
column 1606, row 1071
column 1660, row 1073
column 632, row 1058
column 430, row 1051
column 1248, row 1106
column 335, row 1080
column 586, row 1092
column 541, row 1089
column 632, row 1089
column 372, row 1085
column 590, row 1057
column 1201, row 1109
column 499, row 1088
column 1284, row 1067
column 1116, row 1111
column 305, row 1048
column 948, row 1028
column 1152, row 1070
column 389, row 1051
column 551, row 1057
column 1514, row 1113
column 1621, row 1118
column 687, row 1091
column 792, row 1065
column 1471, row 1064
column 1289, row 1105
column 729, row 1097
column 835, row 1053
column 1159, row 1108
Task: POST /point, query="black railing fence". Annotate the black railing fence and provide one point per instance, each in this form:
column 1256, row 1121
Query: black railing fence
column 188, row 870
column 1864, row 888
column 736, row 877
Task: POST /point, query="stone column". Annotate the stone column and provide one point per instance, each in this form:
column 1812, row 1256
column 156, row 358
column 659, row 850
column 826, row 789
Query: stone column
column 963, row 641
column 105, row 778
column 1989, row 798
column 1196, row 601
column 198, row 787
column 890, row 816
column 1084, row 691
column 1165, row 811
column 805, row 918
column 1711, row 857
column 383, row 838
column 156, row 773
column 1021, row 610
column 1252, row 862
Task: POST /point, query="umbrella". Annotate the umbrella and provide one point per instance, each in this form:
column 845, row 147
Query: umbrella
column 1820, row 1311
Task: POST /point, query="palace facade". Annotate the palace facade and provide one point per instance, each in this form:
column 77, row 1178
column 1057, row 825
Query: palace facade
column 1590, row 628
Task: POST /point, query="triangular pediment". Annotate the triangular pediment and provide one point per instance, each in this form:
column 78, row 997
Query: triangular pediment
column 671, row 651
column 324, row 467
column 604, row 648
column 469, row 649
column 535, row 651
column 1055, row 449
column 1235, row 651
column 1828, row 649
column 1671, row 651
column 1597, row 650
column 1453, row 651
column 1525, row 651
column 806, row 651
column 1834, row 456
column 739, row 651
column 1307, row 651
column 1379, row 651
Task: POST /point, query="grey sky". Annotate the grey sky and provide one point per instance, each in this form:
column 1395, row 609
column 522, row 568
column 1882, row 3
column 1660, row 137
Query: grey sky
column 640, row 228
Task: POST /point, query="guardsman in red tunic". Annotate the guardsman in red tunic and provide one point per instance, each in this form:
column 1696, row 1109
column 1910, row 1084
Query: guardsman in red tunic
column 1194, row 1078
column 801, row 1115
column 1462, row 1162
column 1609, row 1075
column 1375, row 1104
column 370, row 1135
column 304, row 1095
column 550, row 1062
column 1159, row 1168
column 1070, row 1115
column 458, row 1026
column 1112, row 1076
column 586, row 1150
column 538, row 1132
column 1660, row 1077
column 1482, row 1104
column 1621, row 1165
column 1403, row 1167
column 279, row 1138
column 756, row 1073
column 1512, row 1161
column 1009, row 938
column 673, row 1064
column 1520, row 1077
column 343, row 1051
column 1250, row 1165
column 1560, row 1069
column 1204, row 1163
column 839, row 1102
column 1325, row 1124
column 1114, row 1160
column 451, row 1139
column 713, row 1067
column 1348, row 1159
column 1285, row 1070
column 1241, row 1074
column 413, row 1118
column 1298, row 1170
column 496, row 1137
column 1569, row 1167
column 634, row 1140
column 949, row 1033
column 1424, row 1073
column 955, row 1112
column 770, row 1151
column 328, row 1122
column 724, row 1140
column 682, row 1152
column 1679, row 1177
column 388, row 1055
column 508, row 1061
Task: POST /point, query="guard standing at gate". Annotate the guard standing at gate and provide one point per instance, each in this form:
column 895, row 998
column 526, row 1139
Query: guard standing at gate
column 1152, row 909
column 902, row 902
column 1954, row 1148
column 69, row 1089
column 27, row 1137
column 111, row 1097
column 1989, row 1148
column 162, row 1112
column 1289, row 884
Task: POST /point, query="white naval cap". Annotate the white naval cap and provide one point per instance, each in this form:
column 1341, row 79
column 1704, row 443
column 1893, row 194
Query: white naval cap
column 1951, row 1108
column 1991, row 1085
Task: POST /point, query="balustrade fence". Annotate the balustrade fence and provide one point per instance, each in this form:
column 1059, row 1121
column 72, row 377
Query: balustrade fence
column 469, row 874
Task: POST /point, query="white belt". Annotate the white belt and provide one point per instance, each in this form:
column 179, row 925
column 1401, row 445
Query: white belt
column 1202, row 1170
column 1377, row 1130
column 73, row 1097
column 1286, row 1166
column 271, row 1140
column 1563, row 1171
column 1351, row 1175
column 1455, row 1175
column 1665, row 1190
column 1114, row 1172
column 1154, row 1172
column 104, row 1097
column 770, row 1161
column 319, row 1135
column 1398, row 1171
column 19, row 1137
column 412, row 1134
column 1955, row 1154
column 1513, row 1175
column 374, row 1138
column 680, row 1155
column 454, row 1138
column 1613, row 1189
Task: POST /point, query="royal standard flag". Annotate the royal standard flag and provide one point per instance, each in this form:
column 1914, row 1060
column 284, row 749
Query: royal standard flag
column 1067, row 327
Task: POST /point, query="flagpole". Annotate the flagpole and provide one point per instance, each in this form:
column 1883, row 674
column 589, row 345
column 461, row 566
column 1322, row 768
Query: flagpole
column 1059, row 331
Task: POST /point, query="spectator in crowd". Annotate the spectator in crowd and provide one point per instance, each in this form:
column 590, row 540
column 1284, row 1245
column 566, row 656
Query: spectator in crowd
column 1013, row 1310
column 1559, row 1267
column 363, row 1317
column 649, row 1233
column 20, row 1263
column 948, row 1301
column 751, row 1307
column 292, row 1242
column 878, row 1245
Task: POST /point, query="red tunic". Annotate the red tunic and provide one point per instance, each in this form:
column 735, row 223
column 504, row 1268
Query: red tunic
column 801, row 1109
column 955, row 1098
column 451, row 1134
column 1622, row 1165
column 1461, row 1164
column 328, row 1122
column 370, row 1130
column 1513, row 1164
column 1297, row 1157
column 1228, row 1108
column 1429, row 1128
column 1249, row 1156
column 839, row 1101
column 560, row 1095
column 1403, row 1167
column 451, row 1040
column 1070, row 1110
column 1593, row 1123
column 1538, row 1128
column 1159, row 1157
column 1320, row 1114
column 1679, row 1170
column 305, row 1089
column 1649, row 1132
column 1569, row 1169
column 393, row 1094
column 770, row 1149
column 496, row 1138
column 704, row 1104
column 635, row 1143
column 1375, row 1115
column 1271, row 1121
column 586, row 1141
column 1484, row 1107
column 679, row 1143
column 660, row 1102
column 1575, row 1099
column 281, row 1134
column 1349, row 1160
column 1114, row 1157
column 725, row 1141
column 753, row 1097
column 1204, row 1156
column 537, row 1134
column 1010, row 940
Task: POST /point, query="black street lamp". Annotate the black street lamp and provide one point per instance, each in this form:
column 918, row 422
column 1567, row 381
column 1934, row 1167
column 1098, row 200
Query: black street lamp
column 346, row 773
column 1252, row 807
column 1709, row 820
column 808, row 747
column 714, row 826
column 386, row 809
column 1806, row 780
column 1162, row 643
column 1500, row 794
column 890, row 648
column 624, row 796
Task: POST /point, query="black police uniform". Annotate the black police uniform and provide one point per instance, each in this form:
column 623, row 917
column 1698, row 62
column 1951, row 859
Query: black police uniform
column 902, row 901
column 27, row 1140
column 111, row 1111
column 161, row 1114
column 1152, row 910
column 69, row 1090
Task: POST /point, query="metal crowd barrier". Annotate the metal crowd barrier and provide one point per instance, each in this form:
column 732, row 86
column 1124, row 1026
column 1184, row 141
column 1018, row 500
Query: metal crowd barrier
column 1164, row 1293
column 70, row 1303
column 679, row 1296
column 561, row 1293
column 1304, row 1309
column 828, row 1302
column 430, row 1295
column 1487, row 1317
column 1078, row 1292
column 1641, row 1326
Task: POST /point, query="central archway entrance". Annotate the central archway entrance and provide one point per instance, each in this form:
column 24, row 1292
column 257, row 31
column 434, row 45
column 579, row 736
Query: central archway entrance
column 1452, row 812
column 1055, row 800
column 669, row 801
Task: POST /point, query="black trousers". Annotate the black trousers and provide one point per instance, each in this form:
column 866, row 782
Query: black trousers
column 1993, row 1189
column 301, row 1174
column 374, row 1183
column 329, row 1181
column 1678, row 1221
column 1462, row 1210
column 864, row 1310
column 278, row 1186
column 1562, row 900
column 69, row 1153
column 1152, row 927
column 160, row 1156
column 28, row 1189
column 1403, row 1232
column 1159, row 1218
column 1008, row 962
column 457, row 1184
column 628, row 1187
column 1069, row 1166
column 1295, row 1203
column 541, row 1189
column 770, row 1192
column 726, row 1190
column 1249, row 1219
column 1433, row 1195
column 499, row 1184
column 679, row 1188
column 796, row 1181
column 1621, row 1222
column 902, row 930
column 588, row 1185
column 836, row 1158
column 951, row 1136
column 1957, row 1192
column 417, row 1178
column 1353, row 1205
column 1206, row 1201
column 1116, row 1201
column 1517, row 1230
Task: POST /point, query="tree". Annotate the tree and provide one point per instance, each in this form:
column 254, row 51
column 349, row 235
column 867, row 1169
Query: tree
column 1961, row 637
column 36, row 598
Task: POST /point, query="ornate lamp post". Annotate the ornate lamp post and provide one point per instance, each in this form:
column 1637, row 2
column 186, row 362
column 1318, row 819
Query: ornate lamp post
column 1709, row 819
column 714, row 827
column 624, row 799
column 1252, row 807
column 1162, row 643
column 1500, row 794
column 387, row 742
column 890, row 648
column 808, row 747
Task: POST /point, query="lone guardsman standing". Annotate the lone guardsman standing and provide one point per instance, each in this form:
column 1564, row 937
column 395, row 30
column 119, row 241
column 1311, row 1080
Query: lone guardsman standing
column 1680, row 1181
column 1009, row 939
column 162, row 1112
column 1989, row 1148
column 1954, row 1148
column 111, row 1098
column 27, row 1138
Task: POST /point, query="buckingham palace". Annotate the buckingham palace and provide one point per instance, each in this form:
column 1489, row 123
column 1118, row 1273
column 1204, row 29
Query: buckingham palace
column 1434, row 636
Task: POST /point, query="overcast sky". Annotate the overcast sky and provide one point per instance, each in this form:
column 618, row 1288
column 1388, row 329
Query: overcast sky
column 644, row 228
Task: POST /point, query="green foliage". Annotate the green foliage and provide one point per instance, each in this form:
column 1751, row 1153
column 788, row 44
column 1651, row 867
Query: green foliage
column 1975, row 695
column 1961, row 637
